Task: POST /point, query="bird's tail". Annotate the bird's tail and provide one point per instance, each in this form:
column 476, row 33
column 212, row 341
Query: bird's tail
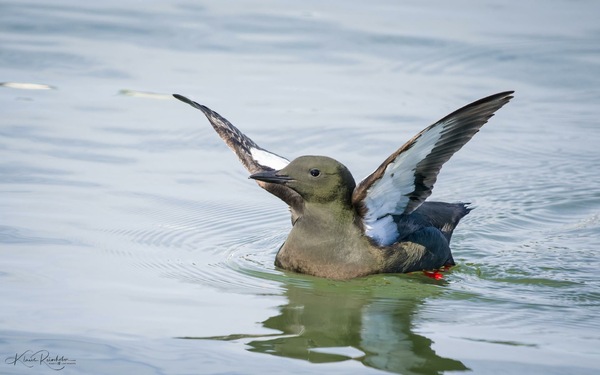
column 444, row 216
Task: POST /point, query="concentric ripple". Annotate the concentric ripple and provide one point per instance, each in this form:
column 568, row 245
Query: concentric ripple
column 228, row 246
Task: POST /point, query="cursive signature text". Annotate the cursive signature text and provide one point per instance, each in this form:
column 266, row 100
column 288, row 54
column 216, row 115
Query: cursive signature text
column 29, row 358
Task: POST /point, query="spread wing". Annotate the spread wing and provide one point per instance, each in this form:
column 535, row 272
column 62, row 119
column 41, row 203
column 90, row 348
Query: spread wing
column 253, row 157
column 405, row 179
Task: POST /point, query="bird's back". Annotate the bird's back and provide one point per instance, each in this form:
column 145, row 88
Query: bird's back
column 425, row 234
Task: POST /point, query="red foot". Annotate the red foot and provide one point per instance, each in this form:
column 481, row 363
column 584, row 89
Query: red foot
column 437, row 274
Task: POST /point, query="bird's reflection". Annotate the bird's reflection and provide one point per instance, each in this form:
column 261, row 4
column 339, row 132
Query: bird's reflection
column 368, row 320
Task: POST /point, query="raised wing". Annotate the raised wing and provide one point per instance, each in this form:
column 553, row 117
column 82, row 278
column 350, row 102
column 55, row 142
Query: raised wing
column 253, row 157
column 405, row 179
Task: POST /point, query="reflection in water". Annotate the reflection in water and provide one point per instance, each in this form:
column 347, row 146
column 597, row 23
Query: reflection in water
column 367, row 320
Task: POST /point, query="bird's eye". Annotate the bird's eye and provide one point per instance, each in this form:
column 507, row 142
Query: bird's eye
column 315, row 172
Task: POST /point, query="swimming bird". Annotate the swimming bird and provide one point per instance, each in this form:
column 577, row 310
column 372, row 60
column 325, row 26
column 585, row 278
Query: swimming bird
column 341, row 230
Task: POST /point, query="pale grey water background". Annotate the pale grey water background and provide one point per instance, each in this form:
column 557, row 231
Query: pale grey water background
column 126, row 224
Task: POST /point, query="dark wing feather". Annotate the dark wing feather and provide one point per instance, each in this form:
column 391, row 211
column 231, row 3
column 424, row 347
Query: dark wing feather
column 254, row 158
column 406, row 178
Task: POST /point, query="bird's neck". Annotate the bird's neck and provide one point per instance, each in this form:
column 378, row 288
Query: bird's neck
column 326, row 242
column 332, row 215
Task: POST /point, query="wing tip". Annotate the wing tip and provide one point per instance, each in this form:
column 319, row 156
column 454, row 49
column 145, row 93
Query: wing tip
column 183, row 99
column 502, row 97
column 194, row 104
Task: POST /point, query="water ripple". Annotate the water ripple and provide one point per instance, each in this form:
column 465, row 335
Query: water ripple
column 206, row 243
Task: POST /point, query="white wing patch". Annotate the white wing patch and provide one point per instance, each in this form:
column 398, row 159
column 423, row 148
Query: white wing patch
column 267, row 159
column 384, row 231
column 389, row 195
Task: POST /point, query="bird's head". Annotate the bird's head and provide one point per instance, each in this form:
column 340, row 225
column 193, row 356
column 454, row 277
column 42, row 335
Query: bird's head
column 318, row 179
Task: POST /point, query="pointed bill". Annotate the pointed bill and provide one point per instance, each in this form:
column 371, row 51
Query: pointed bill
column 406, row 178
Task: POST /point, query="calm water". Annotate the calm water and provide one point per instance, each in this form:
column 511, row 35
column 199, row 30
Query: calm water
column 132, row 242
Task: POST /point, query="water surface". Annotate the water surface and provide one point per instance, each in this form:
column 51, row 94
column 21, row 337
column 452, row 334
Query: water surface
column 133, row 242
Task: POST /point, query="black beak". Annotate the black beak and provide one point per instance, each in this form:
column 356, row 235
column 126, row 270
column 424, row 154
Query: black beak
column 270, row 176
